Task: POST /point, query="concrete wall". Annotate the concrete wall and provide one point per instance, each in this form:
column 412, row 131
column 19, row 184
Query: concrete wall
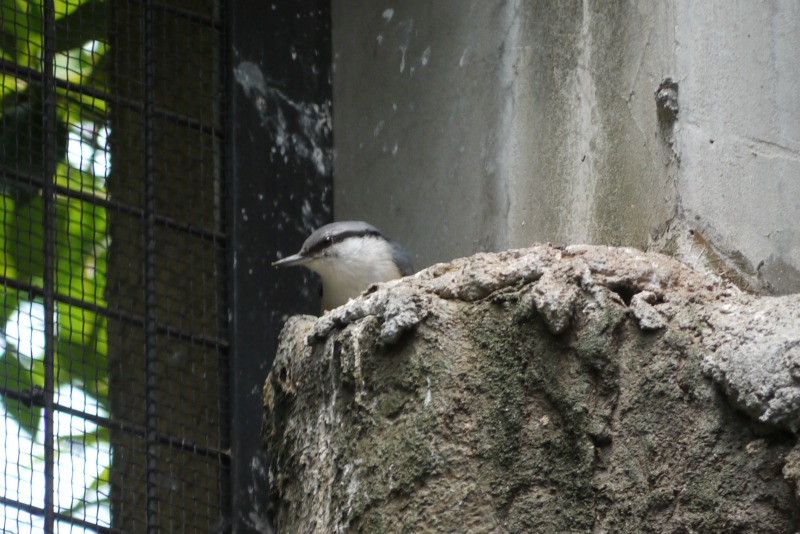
column 468, row 125
column 739, row 130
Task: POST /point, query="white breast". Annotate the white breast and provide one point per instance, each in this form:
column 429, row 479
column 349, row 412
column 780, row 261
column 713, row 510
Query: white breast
column 351, row 267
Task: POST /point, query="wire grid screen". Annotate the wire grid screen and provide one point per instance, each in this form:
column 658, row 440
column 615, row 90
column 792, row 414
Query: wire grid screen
column 114, row 353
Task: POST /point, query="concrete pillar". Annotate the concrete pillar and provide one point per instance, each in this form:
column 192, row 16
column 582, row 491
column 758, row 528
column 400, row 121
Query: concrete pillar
column 469, row 125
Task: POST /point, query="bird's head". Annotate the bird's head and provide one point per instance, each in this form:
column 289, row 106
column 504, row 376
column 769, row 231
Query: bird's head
column 349, row 256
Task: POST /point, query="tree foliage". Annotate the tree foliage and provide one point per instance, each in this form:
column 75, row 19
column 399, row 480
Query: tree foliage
column 81, row 240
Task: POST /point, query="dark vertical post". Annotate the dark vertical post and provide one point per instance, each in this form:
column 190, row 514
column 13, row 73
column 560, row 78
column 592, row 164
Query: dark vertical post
column 222, row 207
column 281, row 169
column 49, row 122
column 150, row 319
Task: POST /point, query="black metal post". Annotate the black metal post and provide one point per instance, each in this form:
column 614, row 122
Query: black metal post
column 222, row 205
column 150, row 304
column 281, row 169
column 49, row 123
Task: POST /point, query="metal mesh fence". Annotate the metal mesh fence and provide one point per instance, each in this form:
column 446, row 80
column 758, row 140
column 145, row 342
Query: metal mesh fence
column 113, row 338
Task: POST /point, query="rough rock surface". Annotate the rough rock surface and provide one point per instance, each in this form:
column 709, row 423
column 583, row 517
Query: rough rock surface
column 583, row 389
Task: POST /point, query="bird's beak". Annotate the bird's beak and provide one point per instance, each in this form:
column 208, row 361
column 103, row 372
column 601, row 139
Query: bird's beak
column 289, row 261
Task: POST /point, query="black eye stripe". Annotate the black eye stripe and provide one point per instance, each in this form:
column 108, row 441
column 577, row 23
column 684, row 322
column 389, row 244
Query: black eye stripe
column 329, row 240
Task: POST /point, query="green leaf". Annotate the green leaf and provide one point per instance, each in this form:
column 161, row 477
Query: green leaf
column 10, row 300
column 16, row 377
column 80, row 364
column 77, row 65
column 8, row 265
column 8, row 27
column 22, row 142
column 8, row 219
column 87, row 23
column 97, row 385
column 99, row 436
column 20, row 31
column 86, row 363
column 96, row 494
column 25, row 241
column 83, row 106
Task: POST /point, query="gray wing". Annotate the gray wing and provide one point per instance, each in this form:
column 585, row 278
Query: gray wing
column 402, row 259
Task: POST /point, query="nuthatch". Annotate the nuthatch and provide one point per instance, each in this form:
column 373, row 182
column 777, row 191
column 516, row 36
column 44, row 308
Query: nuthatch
column 349, row 256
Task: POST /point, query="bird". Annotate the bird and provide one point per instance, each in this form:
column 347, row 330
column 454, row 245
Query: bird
column 349, row 256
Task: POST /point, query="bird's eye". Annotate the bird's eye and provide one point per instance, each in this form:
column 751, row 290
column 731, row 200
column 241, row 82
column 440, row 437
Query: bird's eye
column 328, row 239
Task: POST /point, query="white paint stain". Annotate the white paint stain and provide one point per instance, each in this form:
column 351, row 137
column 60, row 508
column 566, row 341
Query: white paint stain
column 352, row 488
column 378, row 128
column 426, row 56
column 299, row 129
column 307, row 214
column 403, row 58
column 387, row 15
column 428, row 394
column 249, row 76
column 404, row 29
column 318, row 157
column 464, row 57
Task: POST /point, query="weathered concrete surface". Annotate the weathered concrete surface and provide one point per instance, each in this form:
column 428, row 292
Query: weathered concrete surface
column 755, row 356
column 466, row 125
column 545, row 389
column 473, row 125
column 738, row 134
column 420, row 120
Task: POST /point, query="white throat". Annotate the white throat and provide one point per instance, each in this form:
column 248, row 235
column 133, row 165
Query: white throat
column 351, row 266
